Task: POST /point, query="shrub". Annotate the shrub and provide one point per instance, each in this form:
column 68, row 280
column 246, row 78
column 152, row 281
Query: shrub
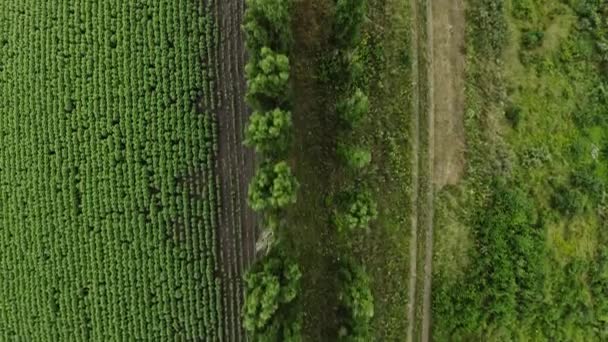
column 354, row 157
column 513, row 114
column 356, row 303
column 355, row 211
column 268, row 23
column 532, row 39
column 272, row 287
column 505, row 280
column 267, row 80
column 567, row 201
column 269, row 132
column 489, row 24
column 354, row 108
column 348, row 19
column 273, row 187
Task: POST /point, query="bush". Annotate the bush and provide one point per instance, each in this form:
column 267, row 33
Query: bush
column 355, row 211
column 354, row 157
column 353, row 109
column 356, row 303
column 267, row 80
column 268, row 24
column 489, row 24
column 272, row 287
column 348, row 19
column 273, row 187
column 505, row 280
column 269, row 132
column 532, row 39
column 567, row 201
column 513, row 114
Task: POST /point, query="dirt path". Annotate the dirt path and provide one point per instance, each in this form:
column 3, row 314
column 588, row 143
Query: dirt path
column 438, row 131
column 238, row 232
column 449, row 63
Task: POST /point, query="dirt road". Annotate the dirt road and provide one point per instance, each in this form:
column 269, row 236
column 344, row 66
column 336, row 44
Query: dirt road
column 438, row 132
column 238, row 232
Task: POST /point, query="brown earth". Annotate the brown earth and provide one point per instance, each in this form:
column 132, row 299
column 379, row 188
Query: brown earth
column 448, row 23
column 236, row 164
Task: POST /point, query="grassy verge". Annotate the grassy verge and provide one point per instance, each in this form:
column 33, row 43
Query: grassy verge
column 384, row 248
column 533, row 120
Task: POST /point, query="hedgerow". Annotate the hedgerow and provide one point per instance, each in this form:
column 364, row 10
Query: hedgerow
column 271, row 305
column 354, row 206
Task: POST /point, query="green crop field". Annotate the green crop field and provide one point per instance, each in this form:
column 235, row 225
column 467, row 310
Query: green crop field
column 108, row 196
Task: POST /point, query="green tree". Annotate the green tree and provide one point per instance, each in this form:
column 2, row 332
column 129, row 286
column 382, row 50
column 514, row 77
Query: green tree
column 268, row 23
column 272, row 287
column 268, row 80
column 348, row 19
column 356, row 303
column 273, row 186
column 269, row 132
column 356, row 209
column 354, row 108
column 354, row 157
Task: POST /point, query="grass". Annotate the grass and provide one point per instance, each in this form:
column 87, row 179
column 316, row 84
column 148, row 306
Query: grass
column 552, row 153
column 384, row 249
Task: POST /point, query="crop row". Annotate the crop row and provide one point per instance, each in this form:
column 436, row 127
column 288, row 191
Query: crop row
column 108, row 190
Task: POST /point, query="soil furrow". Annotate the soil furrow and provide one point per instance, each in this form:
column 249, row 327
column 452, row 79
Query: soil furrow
column 237, row 224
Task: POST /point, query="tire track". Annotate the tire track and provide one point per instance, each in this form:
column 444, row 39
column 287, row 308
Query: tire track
column 421, row 244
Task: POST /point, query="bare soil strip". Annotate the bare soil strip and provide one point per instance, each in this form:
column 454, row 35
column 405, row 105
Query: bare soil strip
column 236, row 165
column 438, row 120
column 448, row 24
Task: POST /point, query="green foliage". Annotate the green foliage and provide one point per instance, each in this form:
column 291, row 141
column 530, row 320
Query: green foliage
column 567, row 201
column 513, row 114
column 489, row 26
column 354, row 157
column 273, row 187
column 267, row 23
column 108, row 168
column 269, row 132
column 348, row 18
column 523, row 9
column 267, row 80
column 272, row 286
column 532, row 39
column 355, row 210
column 505, row 280
column 356, row 303
column 354, row 108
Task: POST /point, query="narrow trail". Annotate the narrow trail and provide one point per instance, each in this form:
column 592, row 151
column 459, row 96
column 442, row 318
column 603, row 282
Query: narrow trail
column 415, row 132
column 237, row 222
column 421, row 244
column 438, row 70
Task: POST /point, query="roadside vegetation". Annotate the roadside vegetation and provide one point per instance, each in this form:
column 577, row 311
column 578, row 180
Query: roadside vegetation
column 351, row 143
column 530, row 216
